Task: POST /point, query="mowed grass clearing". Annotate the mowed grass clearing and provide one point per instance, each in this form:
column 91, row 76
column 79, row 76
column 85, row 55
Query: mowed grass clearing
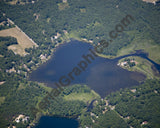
column 2, row 99
column 86, row 97
column 23, row 40
column 63, row 6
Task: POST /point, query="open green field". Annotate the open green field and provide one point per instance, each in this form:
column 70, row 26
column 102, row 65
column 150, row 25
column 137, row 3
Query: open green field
column 2, row 100
column 86, row 97
column 63, row 6
column 139, row 43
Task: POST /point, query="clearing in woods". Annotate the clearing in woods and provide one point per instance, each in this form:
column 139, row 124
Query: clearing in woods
column 23, row 40
column 150, row 1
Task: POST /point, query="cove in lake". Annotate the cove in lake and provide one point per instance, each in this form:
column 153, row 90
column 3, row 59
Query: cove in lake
column 56, row 122
column 102, row 75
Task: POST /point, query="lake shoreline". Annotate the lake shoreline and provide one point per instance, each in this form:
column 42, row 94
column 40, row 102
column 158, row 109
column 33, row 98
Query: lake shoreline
column 53, row 56
column 69, row 60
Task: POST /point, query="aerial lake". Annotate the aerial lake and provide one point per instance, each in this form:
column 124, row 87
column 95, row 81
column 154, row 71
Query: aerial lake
column 101, row 74
column 56, row 122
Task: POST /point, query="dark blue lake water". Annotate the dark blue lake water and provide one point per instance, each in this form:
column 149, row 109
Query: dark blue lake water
column 101, row 74
column 55, row 122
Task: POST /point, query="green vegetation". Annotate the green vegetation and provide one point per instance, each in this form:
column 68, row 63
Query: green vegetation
column 4, row 24
column 71, row 107
column 19, row 2
column 137, row 107
column 86, row 97
column 140, row 65
column 90, row 20
column 141, row 105
column 146, row 44
column 63, row 6
column 106, row 121
column 2, row 100
column 18, row 101
column 82, row 20
column 17, row 94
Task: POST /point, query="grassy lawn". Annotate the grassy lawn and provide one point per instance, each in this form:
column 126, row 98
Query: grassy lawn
column 2, row 100
column 106, row 56
column 74, row 34
column 86, row 97
column 63, row 6
column 21, row 86
column 17, row 49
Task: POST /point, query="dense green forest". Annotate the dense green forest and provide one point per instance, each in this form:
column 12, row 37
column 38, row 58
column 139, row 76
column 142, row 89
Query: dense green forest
column 78, row 19
column 126, row 108
column 87, row 19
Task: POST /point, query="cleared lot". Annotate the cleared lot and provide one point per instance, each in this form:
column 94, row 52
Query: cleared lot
column 23, row 40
